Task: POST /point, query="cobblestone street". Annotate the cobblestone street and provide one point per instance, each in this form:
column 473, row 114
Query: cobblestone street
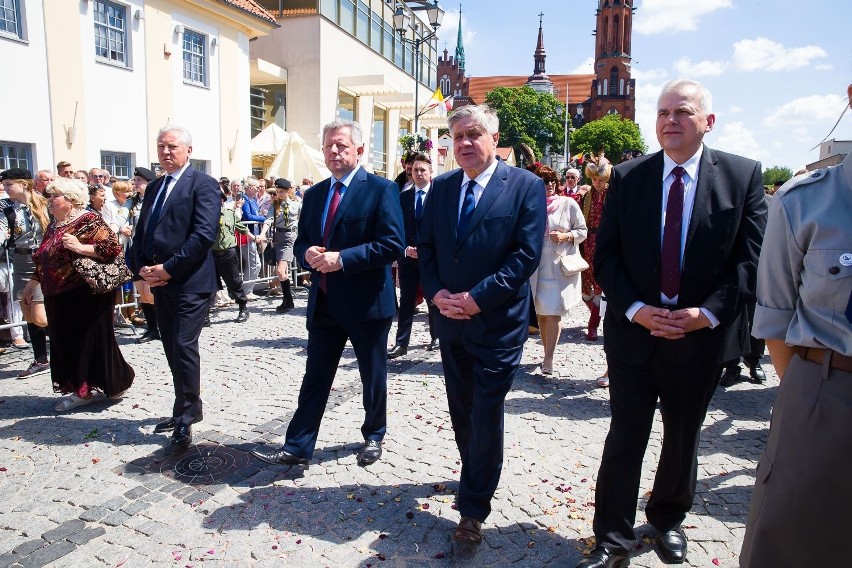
column 94, row 488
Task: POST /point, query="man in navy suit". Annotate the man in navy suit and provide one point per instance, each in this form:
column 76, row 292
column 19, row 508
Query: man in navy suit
column 480, row 241
column 676, row 256
column 350, row 231
column 177, row 226
column 412, row 201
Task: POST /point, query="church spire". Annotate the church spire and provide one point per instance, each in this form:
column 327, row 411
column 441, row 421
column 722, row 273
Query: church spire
column 539, row 49
column 459, row 44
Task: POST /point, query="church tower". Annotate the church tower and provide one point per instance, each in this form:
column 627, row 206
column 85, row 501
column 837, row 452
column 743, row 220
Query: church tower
column 539, row 81
column 451, row 76
column 613, row 91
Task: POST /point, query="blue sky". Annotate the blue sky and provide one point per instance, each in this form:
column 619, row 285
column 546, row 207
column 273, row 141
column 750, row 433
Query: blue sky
column 778, row 70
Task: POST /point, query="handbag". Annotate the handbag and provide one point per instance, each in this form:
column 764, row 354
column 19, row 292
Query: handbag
column 269, row 255
column 102, row 276
column 571, row 264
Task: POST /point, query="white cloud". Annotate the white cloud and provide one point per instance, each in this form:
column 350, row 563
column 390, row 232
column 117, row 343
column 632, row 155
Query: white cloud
column 686, row 68
column 734, row 109
column 660, row 16
column 587, row 66
column 646, row 112
column 824, row 67
column 736, row 138
column 806, row 111
column 762, row 54
column 449, row 30
column 656, row 74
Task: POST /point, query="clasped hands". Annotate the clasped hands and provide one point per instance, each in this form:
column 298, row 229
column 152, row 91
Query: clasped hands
column 155, row 275
column 668, row 324
column 460, row 306
column 323, row 261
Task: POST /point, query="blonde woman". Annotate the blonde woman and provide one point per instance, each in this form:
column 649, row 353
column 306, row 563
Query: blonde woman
column 87, row 363
column 25, row 236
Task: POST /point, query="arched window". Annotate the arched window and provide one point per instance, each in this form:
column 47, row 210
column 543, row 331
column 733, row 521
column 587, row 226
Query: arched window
column 616, row 37
column 621, row 86
column 613, row 82
column 445, row 85
column 604, row 39
column 599, row 88
column 628, row 89
column 604, row 88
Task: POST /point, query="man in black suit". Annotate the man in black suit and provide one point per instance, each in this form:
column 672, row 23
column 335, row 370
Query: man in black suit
column 177, row 226
column 676, row 256
column 480, row 241
column 412, row 201
column 350, row 231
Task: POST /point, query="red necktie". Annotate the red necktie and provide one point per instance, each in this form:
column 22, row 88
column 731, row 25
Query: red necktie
column 670, row 257
column 329, row 221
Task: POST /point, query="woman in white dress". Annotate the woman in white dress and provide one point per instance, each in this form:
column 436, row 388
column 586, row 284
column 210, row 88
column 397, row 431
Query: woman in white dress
column 553, row 292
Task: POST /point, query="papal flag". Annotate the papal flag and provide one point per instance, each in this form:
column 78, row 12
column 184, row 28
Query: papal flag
column 436, row 100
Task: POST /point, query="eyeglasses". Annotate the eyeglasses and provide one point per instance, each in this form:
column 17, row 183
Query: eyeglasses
column 550, row 181
column 570, row 177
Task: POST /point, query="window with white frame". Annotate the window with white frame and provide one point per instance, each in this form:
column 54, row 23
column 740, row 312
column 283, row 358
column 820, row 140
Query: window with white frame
column 111, row 32
column 15, row 155
column 201, row 165
column 194, row 57
column 10, row 18
column 117, row 164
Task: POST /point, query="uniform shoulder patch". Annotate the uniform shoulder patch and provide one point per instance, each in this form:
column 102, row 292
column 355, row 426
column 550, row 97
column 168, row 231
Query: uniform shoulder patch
column 802, row 180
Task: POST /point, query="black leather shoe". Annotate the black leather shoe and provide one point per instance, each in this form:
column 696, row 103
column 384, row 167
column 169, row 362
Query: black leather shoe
column 279, row 456
column 165, row 426
column 284, row 307
column 672, row 546
column 433, row 345
column 148, row 336
column 397, row 351
column 600, row 557
column 730, row 377
column 370, row 453
column 181, row 438
column 169, row 425
column 757, row 374
column 242, row 316
column 207, row 320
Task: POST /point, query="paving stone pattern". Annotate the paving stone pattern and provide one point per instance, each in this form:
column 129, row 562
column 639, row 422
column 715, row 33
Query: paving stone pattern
column 94, row 487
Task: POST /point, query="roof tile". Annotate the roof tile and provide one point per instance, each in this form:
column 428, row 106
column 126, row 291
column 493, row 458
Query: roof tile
column 252, row 7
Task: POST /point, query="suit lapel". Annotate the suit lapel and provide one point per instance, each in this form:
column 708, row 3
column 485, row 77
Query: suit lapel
column 706, row 181
column 489, row 195
column 654, row 208
column 177, row 191
column 351, row 196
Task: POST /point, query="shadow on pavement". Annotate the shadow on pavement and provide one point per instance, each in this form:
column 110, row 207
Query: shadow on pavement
column 411, row 523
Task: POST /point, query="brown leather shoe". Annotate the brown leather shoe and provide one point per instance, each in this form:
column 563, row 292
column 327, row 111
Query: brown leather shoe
column 469, row 531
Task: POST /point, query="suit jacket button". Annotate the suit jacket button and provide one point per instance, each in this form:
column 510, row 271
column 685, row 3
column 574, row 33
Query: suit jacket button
column 834, row 270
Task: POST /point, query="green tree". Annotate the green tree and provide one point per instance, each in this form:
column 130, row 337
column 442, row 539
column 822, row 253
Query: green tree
column 776, row 173
column 612, row 133
column 527, row 116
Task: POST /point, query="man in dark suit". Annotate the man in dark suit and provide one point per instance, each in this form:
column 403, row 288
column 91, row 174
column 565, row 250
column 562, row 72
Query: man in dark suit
column 412, row 201
column 350, row 231
column 676, row 256
column 177, row 226
column 480, row 241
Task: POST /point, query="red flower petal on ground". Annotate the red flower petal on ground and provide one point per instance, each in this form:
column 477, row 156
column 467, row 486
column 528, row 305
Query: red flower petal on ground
column 715, row 561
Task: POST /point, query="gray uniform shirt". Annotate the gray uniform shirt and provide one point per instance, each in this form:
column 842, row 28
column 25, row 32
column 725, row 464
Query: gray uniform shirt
column 804, row 278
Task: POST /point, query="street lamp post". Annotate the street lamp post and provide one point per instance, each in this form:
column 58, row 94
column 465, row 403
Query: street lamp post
column 402, row 22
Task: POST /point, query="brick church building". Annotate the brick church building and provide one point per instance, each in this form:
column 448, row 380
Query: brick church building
column 608, row 90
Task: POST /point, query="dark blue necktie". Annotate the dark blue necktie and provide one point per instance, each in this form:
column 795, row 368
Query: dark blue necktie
column 467, row 208
column 418, row 205
column 154, row 217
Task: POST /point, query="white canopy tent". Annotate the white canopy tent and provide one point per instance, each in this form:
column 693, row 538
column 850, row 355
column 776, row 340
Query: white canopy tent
column 297, row 160
column 269, row 141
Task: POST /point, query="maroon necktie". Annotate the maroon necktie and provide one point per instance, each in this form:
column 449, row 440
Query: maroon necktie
column 329, row 221
column 670, row 258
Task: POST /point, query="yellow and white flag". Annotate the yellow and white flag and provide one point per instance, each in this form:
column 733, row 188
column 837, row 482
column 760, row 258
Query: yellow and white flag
column 436, row 100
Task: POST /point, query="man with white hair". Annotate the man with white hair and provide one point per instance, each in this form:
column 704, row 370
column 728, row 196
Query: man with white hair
column 177, row 226
column 572, row 178
column 41, row 179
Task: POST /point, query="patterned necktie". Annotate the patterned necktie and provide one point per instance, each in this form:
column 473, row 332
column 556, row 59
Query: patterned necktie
column 154, row 217
column 329, row 221
column 670, row 257
column 468, row 206
column 418, row 205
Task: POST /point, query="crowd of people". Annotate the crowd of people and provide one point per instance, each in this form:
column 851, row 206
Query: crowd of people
column 665, row 249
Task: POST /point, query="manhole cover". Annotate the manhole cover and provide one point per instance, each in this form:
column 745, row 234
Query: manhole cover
column 204, row 464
